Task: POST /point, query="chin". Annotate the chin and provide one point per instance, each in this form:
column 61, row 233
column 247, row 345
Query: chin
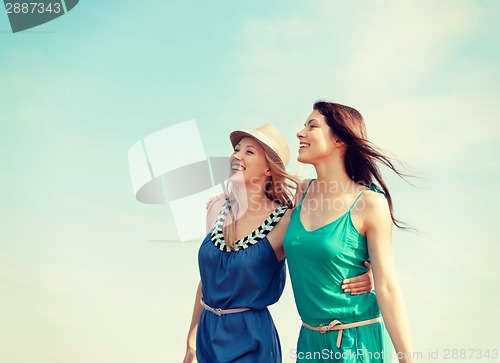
column 237, row 177
column 304, row 159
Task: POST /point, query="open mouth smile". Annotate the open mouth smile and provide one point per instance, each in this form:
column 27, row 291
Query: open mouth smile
column 303, row 145
column 237, row 167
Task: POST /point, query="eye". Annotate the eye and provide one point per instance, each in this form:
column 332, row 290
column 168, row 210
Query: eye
column 250, row 152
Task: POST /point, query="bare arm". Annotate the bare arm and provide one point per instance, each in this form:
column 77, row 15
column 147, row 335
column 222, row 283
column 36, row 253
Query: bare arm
column 380, row 247
column 190, row 356
column 275, row 237
column 213, row 207
column 361, row 284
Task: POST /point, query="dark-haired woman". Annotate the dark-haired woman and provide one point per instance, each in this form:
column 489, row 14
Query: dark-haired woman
column 342, row 219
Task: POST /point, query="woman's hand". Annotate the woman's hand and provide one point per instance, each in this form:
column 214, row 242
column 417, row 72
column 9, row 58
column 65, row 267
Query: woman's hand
column 360, row 284
column 190, row 356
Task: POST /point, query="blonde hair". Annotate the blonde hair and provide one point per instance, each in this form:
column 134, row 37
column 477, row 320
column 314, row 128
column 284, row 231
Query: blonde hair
column 279, row 188
column 283, row 184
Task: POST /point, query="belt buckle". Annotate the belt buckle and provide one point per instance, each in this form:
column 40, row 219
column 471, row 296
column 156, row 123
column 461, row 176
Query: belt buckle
column 323, row 329
column 218, row 311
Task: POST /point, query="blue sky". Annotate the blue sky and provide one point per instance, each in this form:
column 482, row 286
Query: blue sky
column 80, row 279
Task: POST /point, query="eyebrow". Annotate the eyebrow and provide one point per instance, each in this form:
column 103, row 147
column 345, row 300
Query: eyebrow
column 309, row 121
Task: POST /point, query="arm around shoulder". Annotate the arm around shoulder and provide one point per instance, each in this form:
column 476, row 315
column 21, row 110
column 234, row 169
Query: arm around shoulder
column 275, row 237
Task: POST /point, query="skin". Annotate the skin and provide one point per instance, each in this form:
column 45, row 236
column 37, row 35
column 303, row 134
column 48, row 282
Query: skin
column 371, row 217
column 249, row 156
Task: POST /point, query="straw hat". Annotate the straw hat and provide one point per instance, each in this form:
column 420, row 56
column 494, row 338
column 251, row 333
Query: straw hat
column 271, row 140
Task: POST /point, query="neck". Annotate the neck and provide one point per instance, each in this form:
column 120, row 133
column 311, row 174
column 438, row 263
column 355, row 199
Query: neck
column 331, row 172
column 256, row 199
column 250, row 198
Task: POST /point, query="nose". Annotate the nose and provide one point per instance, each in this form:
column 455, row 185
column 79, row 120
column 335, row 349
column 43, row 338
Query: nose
column 300, row 133
column 236, row 155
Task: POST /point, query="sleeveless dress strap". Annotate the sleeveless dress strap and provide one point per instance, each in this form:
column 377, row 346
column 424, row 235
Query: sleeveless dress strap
column 359, row 196
column 372, row 188
column 378, row 190
column 305, row 191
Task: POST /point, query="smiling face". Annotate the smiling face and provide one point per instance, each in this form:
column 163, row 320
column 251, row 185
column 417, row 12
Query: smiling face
column 249, row 161
column 316, row 141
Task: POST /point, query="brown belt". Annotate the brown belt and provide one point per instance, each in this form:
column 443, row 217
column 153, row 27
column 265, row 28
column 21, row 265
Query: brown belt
column 337, row 325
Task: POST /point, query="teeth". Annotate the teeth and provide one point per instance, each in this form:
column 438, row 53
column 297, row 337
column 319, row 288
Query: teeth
column 303, row 145
column 237, row 167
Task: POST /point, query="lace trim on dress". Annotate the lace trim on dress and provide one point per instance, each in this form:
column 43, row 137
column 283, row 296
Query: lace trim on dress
column 267, row 226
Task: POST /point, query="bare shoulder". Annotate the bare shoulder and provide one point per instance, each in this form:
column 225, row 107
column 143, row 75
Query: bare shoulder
column 374, row 208
column 214, row 206
column 215, row 201
column 374, row 199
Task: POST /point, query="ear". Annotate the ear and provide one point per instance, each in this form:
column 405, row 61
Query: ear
column 267, row 172
column 338, row 142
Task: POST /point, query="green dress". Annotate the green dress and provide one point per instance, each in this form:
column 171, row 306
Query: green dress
column 318, row 262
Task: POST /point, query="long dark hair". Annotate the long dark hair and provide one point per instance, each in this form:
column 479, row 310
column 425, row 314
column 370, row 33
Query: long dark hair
column 361, row 156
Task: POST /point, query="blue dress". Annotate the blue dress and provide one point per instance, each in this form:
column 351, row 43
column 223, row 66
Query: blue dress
column 248, row 277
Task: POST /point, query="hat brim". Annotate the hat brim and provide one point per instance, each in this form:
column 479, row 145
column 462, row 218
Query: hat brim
column 237, row 135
